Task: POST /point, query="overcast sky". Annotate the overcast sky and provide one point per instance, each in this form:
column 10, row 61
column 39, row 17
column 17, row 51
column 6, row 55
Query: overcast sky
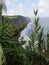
column 25, row 7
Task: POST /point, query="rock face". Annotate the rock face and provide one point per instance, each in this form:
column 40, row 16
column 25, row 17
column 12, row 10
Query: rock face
column 18, row 20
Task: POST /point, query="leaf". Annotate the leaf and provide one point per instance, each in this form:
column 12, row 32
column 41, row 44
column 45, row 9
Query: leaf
column 2, row 57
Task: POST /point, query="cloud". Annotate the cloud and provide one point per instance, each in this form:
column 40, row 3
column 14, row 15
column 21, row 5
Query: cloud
column 44, row 7
column 33, row 5
column 11, row 12
column 3, row 13
column 20, row 8
column 31, row 13
column 27, row 1
column 41, row 10
column 44, row 3
column 7, row 2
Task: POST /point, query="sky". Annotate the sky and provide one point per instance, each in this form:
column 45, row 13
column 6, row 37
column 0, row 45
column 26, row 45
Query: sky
column 26, row 7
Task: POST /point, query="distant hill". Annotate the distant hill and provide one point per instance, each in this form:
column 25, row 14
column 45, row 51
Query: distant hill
column 18, row 20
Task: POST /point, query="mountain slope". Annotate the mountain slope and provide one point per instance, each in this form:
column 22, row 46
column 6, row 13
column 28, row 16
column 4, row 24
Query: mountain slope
column 18, row 20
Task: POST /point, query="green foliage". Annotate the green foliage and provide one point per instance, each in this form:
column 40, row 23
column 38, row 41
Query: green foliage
column 34, row 51
column 11, row 51
column 11, row 47
column 2, row 57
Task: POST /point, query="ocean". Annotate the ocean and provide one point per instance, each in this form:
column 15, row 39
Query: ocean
column 26, row 32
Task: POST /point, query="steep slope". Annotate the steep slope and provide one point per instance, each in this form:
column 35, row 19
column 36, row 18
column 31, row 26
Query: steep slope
column 18, row 20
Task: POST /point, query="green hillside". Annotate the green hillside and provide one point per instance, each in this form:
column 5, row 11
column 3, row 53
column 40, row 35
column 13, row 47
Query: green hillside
column 18, row 20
